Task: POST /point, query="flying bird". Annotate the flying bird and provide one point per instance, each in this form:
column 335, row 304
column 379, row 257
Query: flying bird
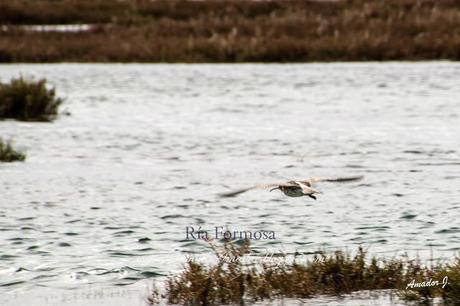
column 295, row 188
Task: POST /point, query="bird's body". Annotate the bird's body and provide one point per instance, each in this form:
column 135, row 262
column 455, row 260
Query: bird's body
column 295, row 188
column 292, row 191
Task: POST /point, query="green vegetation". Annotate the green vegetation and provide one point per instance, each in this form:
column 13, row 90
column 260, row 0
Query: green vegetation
column 232, row 281
column 233, row 30
column 9, row 154
column 28, row 100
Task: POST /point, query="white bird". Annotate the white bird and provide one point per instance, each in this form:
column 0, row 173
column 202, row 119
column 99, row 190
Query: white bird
column 295, row 188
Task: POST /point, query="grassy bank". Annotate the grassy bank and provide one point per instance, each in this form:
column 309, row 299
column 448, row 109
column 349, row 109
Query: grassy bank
column 9, row 154
column 233, row 31
column 233, row 281
column 28, row 100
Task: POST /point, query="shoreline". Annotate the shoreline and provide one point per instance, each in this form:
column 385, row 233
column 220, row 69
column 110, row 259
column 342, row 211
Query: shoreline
column 344, row 63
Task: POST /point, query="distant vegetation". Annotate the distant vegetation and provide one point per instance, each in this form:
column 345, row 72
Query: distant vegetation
column 28, row 100
column 230, row 280
column 62, row 11
column 232, row 30
column 9, row 154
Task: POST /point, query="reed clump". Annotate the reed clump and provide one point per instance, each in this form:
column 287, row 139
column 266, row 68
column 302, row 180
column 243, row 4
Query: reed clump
column 232, row 281
column 233, row 31
column 422, row 283
column 9, row 154
column 28, row 100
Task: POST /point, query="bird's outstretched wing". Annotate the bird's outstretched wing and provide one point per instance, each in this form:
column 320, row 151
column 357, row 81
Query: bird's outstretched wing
column 312, row 180
column 234, row 193
column 307, row 185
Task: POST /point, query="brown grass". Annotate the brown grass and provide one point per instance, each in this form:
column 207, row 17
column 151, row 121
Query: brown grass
column 233, row 281
column 236, row 31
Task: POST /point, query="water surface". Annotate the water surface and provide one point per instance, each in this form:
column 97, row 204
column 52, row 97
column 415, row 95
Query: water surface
column 106, row 193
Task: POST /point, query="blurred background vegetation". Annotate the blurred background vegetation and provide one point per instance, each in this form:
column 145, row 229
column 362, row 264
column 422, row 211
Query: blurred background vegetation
column 230, row 30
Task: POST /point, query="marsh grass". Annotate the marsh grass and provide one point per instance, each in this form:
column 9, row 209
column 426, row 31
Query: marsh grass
column 9, row 154
column 28, row 100
column 450, row 294
column 234, row 31
column 333, row 274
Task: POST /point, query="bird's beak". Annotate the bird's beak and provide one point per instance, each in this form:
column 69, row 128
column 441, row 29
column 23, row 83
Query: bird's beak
column 274, row 189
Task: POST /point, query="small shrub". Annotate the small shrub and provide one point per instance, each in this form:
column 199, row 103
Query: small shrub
column 9, row 154
column 28, row 100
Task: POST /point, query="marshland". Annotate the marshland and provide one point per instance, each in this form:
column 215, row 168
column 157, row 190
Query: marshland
column 231, row 31
column 106, row 163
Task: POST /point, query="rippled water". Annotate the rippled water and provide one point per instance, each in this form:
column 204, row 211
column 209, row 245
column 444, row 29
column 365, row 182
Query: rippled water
column 106, row 193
